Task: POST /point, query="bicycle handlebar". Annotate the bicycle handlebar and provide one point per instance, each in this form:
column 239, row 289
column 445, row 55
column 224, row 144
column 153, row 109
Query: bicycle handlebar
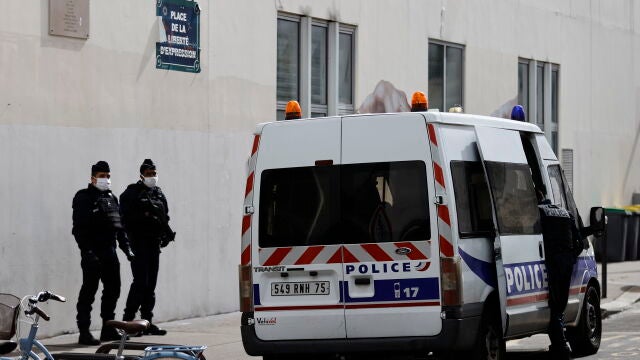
column 44, row 296
column 39, row 312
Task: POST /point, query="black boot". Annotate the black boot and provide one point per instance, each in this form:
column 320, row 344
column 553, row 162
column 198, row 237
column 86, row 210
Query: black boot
column 86, row 338
column 155, row 330
column 109, row 333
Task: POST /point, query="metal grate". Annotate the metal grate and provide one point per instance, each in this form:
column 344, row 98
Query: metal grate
column 567, row 166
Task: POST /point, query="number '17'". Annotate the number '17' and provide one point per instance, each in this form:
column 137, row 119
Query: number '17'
column 411, row 292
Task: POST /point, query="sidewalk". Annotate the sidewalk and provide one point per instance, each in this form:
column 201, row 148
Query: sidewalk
column 623, row 286
column 222, row 334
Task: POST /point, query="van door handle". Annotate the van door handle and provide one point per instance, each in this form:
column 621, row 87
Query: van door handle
column 363, row 281
column 541, row 249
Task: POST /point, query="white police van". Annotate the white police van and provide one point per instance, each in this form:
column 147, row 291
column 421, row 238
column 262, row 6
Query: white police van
column 401, row 234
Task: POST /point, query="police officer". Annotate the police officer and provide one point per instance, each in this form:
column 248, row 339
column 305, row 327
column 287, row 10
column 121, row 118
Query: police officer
column 96, row 226
column 562, row 244
column 145, row 216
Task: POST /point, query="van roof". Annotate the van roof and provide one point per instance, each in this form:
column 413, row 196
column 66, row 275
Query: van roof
column 438, row 117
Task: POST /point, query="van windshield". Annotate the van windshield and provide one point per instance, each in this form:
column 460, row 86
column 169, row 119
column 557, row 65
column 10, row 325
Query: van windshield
column 344, row 204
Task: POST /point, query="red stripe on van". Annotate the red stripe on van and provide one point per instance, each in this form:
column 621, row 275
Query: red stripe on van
column 307, row 307
column 415, row 254
column 256, row 141
column 309, row 254
column 246, row 223
column 336, row 258
column 277, row 256
column 245, row 259
column 437, row 171
column 377, row 252
column 348, row 256
column 443, row 214
column 249, row 187
column 432, row 135
column 392, row 305
column 445, row 247
column 527, row 299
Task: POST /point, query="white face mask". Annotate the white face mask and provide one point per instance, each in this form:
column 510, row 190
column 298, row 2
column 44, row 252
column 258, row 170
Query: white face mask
column 150, row 182
column 103, row 184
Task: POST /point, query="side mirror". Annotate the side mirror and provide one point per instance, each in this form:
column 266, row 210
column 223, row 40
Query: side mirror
column 597, row 220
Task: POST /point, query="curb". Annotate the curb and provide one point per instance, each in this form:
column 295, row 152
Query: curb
column 623, row 302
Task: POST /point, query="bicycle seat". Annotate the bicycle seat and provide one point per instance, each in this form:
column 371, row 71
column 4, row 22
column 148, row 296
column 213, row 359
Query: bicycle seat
column 130, row 327
column 7, row 347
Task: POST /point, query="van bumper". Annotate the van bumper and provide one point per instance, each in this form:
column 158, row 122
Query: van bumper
column 457, row 333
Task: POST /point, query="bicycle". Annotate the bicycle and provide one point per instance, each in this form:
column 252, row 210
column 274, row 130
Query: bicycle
column 125, row 328
column 27, row 344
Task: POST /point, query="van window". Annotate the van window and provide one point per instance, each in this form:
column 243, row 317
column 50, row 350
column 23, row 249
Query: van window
column 355, row 203
column 557, row 188
column 515, row 198
column 473, row 204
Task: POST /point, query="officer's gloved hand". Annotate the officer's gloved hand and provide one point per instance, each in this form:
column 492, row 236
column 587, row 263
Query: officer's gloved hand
column 129, row 253
column 167, row 239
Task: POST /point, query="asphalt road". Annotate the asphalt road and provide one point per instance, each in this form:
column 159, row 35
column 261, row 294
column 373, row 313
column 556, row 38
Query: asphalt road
column 620, row 340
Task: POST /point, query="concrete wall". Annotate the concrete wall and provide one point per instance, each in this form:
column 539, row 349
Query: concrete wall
column 66, row 103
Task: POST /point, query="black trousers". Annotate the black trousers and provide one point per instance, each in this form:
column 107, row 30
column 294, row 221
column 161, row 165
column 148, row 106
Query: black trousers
column 559, row 271
column 105, row 267
column 142, row 294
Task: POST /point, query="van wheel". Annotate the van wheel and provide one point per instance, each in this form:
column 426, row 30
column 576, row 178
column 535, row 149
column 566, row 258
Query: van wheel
column 585, row 337
column 489, row 345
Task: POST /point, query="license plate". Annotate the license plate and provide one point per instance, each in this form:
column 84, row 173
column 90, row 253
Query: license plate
column 300, row 288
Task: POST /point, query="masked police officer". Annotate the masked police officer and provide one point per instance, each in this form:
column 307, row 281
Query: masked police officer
column 145, row 216
column 96, row 226
column 563, row 245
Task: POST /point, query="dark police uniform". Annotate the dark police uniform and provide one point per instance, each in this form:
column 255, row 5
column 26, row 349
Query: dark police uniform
column 96, row 226
column 562, row 244
column 145, row 215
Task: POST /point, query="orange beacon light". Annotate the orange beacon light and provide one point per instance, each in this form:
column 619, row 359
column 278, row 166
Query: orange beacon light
column 419, row 102
column 292, row 111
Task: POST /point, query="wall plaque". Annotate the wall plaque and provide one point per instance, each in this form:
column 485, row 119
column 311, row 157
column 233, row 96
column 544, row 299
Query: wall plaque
column 69, row 18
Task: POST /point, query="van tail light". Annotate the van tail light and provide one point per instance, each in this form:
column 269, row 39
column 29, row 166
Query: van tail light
column 245, row 285
column 451, row 281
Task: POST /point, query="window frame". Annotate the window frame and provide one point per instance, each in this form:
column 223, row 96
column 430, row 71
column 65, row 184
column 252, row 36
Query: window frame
column 282, row 104
column 319, row 108
column 305, row 42
column 468, row 164
column 343, row 108
column 549, row 93
column 445, row 45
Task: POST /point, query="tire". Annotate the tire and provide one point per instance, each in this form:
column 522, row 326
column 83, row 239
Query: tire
column 585, row 337
column 489, row 344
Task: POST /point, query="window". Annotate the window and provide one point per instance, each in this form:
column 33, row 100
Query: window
column 473, row 204
column 561, row 191
column 345, row 70
column 318, row 70
column 523, row 86
column 515, row 198
column 538, row 93
column 314, row 66
column 288, row 63
column 557, row 189
column 356, row 203
column 446, row 75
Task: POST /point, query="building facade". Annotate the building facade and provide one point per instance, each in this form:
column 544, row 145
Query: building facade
column 66, row 103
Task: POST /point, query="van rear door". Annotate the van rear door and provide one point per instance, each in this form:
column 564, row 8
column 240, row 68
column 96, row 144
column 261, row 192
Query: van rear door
column 391, row 253
column 522, row 279
column 298, row 272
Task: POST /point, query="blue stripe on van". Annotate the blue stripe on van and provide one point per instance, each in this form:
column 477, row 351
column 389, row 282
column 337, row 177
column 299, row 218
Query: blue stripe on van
column 256, row 295
column 483, row 269
column 400, row 289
